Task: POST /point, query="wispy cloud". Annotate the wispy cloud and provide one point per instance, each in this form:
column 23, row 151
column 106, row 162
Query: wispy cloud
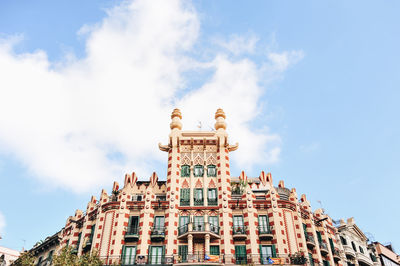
column 82, row 122
column 239, row 44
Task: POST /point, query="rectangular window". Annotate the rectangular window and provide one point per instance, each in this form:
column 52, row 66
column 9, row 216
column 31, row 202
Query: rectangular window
column 182, row 252
column 198, row 197
column 183, row 224
column 214, row 250
column 326, row 263
column 263, row 224
column 128, row 255
column 133, row 226
column 198, row 171
column 185, row 170
column 343, row 240
column 159, row 223
column 211, row 171
column 361, row 250
column 266, row 254
column 212, row 197
column 161, row 197
column 185, row 196
column 213, row 221
column 240, row 254
column 238, row 225
column 50, row 256
column 156, row 255
column 198, row 224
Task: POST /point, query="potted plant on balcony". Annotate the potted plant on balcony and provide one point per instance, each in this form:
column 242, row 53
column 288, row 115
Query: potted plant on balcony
column 298, row 258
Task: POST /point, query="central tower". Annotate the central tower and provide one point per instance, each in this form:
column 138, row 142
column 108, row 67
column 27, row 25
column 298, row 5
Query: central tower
column 198, row 188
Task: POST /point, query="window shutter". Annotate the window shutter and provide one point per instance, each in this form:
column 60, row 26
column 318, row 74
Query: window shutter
column 273, row 251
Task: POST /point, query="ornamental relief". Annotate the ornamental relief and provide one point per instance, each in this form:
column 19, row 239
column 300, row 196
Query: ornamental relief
column 198, row 159
column 211, row 158
column 185, row 158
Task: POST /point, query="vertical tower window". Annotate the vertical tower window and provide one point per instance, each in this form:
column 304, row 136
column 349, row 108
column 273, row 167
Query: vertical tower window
column 198, row 197
column 156, row 255
column 211, row 170
column 185, row 196
column 212, row 197
column 185, row 170
column 198, row 170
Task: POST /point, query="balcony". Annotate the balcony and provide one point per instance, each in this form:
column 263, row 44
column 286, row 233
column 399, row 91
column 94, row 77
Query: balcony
column 239, row 232
column 323, row 248
column 363, row 259
column 349, row 251
column 198, row 202
column 132, row 234
column 310, row 241
column 265, row 232
column 212, row 202
column 157, row 233
column 88, row 244
column 198, row 230
column 336, row 254
column 185, row 202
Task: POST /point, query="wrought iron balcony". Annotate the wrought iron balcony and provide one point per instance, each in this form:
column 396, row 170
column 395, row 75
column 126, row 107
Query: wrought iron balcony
column 323, row 248
column 212, row 202
column 132, row 233
column 265, row 232
column 185, row 202
column 198, row 230
column 157, row 233
column 198, row 202
column 183, row 229
column 310, row 241
column 239, row 232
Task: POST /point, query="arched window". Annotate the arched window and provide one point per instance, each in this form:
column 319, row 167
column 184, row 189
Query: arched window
column 211, row 170
column 198, row 170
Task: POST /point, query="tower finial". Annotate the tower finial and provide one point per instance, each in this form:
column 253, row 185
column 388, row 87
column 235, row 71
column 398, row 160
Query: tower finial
column 176, row 117
column 220, row 117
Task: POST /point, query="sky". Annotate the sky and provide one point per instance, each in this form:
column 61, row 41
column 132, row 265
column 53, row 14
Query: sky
column 310, row 90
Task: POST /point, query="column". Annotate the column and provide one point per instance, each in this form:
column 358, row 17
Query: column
column 207, row 244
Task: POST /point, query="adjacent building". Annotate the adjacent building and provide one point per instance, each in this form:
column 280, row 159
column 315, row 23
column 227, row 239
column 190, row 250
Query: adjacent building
column 201, row 214
column 8, row 255
column 386, row 254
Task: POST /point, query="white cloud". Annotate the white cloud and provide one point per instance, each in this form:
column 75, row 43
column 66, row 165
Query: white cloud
column 84, row 122
column 237, row 44
column 2, row 223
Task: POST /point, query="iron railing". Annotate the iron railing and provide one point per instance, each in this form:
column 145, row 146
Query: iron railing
column 212, row 202
column 198, row 202
column 185, row 202
column 183, row 229
column 133, row 230
column 158, row 231
column 239, row 230
column 264, row 229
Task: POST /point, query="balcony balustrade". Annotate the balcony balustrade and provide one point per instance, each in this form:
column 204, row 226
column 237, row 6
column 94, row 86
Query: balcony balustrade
column 157, row 233
column 265, row 232
column 198, row 230
column 323, row 248
column 212, row 202
column 310, row 241
column 239, row 232
column 198, row 202
column 132, row 233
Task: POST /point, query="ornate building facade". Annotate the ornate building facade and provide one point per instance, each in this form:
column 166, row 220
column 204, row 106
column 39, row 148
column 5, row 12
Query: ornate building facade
column 203, row 215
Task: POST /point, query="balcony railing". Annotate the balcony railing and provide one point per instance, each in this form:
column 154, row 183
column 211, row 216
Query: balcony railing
column 212, row 202
column 239, row 230
column 323, row 247
column 183, row 229
column 199, row 227
column 214, row 228
column 133, row 230
column 262, row 229
column 185, row 202
column 157, row 233
column 198, row 202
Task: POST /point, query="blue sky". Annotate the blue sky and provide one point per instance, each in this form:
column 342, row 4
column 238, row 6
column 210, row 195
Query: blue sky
column 310, row 90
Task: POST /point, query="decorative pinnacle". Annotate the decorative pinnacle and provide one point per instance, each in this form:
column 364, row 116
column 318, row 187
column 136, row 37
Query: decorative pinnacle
column 176, row 117
column 220, row 117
